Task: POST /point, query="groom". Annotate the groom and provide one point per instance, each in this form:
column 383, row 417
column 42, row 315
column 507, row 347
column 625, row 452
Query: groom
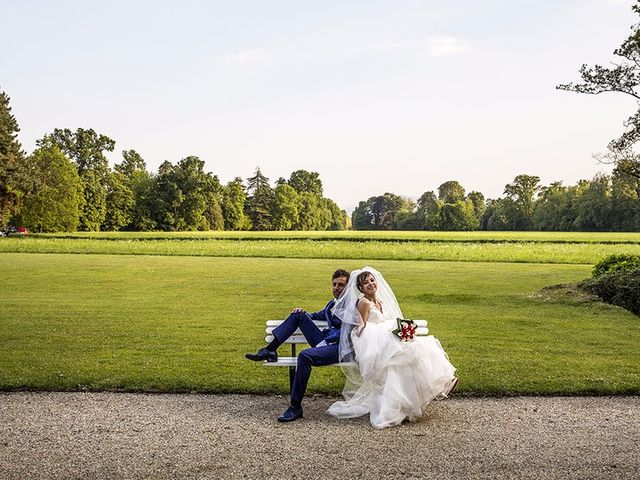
column 324, row 344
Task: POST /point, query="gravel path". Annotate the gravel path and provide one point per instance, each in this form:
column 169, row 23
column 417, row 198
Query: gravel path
column 109, row 435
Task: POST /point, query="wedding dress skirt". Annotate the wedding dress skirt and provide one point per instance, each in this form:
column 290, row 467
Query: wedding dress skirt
column 398, row 378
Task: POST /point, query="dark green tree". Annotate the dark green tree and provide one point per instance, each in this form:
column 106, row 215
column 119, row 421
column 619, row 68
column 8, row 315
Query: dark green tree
column 522, row 192
column 625, row 201
column 260, row 201
column 13, row 183
column 594, row 205
column 120, row 202
column 94, row 210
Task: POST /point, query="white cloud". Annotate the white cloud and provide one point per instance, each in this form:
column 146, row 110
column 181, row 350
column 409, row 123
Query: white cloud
column 245, row 57
column 445, row 45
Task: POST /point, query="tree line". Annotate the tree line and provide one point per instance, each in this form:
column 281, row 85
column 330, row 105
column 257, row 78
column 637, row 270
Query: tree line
column 605, row 203
column 66, row 184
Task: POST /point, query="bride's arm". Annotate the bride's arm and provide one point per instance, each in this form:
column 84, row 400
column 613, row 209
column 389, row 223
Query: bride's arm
column 364, row 307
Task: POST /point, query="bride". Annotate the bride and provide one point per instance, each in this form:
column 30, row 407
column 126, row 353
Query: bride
column 387, row 378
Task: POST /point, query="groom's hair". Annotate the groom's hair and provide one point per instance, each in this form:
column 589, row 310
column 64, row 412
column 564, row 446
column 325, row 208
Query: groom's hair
column 340, row 273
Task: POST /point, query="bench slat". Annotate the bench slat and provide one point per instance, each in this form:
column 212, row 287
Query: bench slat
column 293, row 361
column 298, row 337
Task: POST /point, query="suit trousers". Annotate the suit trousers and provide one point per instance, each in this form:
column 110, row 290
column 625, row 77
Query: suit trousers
column 311, row 357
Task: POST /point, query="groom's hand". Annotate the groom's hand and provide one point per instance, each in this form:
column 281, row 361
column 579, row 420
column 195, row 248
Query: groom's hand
column 296, row 310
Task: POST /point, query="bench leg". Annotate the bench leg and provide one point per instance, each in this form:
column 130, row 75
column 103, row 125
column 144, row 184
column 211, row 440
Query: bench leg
column 292, row 370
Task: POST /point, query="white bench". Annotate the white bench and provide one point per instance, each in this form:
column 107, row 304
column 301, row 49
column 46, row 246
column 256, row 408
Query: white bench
column 298, row 339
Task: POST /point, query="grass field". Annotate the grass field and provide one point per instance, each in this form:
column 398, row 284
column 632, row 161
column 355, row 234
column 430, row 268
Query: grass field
column 522, row 251
column 360, row 235
column 182, row 320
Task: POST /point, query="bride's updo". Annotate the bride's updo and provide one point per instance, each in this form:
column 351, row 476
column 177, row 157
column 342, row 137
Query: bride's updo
column 362, row 276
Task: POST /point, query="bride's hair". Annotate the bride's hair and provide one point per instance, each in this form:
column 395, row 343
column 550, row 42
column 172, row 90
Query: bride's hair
column 362, row 276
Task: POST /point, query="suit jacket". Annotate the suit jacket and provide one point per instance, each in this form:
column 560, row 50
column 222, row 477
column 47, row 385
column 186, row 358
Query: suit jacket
column 331, row 334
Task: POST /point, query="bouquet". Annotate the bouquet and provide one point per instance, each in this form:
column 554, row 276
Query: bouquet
column 406, row 330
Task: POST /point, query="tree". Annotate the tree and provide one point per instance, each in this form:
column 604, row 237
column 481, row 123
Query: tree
column 479, row 205
column 260, row 200
column 625, row 202
column 132, row 162
column 550, row 212
column 285, row 207
column 86, row 148
column 594, row 205
column 457, row 216
column 303, row 181
column 450, row 192
column 310, row 213
column 428, row 210
column 522, row 192
column 120, row 202
column 141, row 184
column 233, row 206
column 55, row 203
column 622, row 77
column 12, row 183
column 362, row 216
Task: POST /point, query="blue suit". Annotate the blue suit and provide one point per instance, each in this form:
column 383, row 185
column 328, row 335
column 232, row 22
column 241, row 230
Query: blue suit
column 314, row 356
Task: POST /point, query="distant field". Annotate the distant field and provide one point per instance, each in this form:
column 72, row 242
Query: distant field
column 159, row 323
column 478, row 237
column 495, row 251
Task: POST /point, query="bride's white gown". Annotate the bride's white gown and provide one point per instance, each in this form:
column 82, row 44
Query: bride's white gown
column 398, row 378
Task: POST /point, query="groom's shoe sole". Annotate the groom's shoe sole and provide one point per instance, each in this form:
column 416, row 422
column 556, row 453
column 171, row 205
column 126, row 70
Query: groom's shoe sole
column 257, row 358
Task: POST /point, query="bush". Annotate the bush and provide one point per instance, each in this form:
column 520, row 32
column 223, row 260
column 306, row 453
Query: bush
column 620, row 286
column 616, row 262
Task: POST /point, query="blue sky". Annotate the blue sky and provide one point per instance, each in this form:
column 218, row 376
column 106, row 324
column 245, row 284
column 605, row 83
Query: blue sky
column 376, row 96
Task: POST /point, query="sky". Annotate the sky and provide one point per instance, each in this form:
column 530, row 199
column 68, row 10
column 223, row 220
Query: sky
column 376, row 96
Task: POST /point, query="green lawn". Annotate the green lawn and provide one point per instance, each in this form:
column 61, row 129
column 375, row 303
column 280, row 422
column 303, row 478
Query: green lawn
column 183, row 323
column 365, row 235
column 526, row 252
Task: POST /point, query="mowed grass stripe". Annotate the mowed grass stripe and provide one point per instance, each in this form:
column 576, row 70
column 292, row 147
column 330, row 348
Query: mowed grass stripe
column 585, row 253
column 365, row 236
column 160, row 323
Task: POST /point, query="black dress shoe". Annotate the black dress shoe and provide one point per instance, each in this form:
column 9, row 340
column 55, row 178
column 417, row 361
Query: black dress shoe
column 263, row 354
column 292, row 413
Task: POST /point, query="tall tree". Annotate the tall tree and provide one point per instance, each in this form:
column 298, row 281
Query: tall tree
column 233, row 206
column 622, row 76
column 285, row 207
column 12, row 183
column 120, row 202
column 594, row 205
column 87, row 149
column 55, row 202
column 450, row 192
column 261, row 197
column 522, row 191
column 304, row 181
column 132, row 162
column 141, row 184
